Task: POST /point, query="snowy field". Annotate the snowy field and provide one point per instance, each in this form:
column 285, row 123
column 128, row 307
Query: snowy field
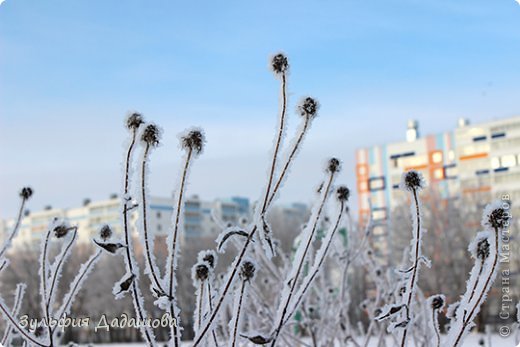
column 471, row 341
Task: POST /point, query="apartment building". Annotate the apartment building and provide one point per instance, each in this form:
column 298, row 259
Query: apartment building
column 477, row 161
column 92, row 215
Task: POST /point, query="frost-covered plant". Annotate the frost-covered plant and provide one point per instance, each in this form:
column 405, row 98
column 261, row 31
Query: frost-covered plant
column 402, row 312
column 246, row 275
column 289, row 292
column 25, row 194
column 260, row 229
column 485, row 249
column 20, row 292
column 150, row 139
column 129, row 281
column 47, row 334
column 435, row 305
column 413, row 182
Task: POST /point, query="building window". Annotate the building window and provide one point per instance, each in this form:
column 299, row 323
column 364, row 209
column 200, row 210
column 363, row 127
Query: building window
column 498, row 135
column 495, row 162
column 438, row 174
column 159, row 227
column 450, row 171
column 376, row 183
column 451, row 155
column 508, row 160
column 479, row 138
column 481, row 172
column 158, row 214
column 437, row 157
column 378, row 213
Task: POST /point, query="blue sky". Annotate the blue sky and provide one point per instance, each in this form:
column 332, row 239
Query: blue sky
column 71, row 70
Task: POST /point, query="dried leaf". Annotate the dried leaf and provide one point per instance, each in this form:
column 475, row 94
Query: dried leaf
column 258, row 339
column 238, row 232
column 110, row 247
column 125, row 285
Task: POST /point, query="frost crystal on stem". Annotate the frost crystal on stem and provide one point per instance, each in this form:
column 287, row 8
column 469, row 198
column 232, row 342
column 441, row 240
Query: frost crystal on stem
column 486, row 251
column 412, row 182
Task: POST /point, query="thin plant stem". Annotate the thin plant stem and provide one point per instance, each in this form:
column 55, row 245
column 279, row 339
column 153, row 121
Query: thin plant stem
column 210, row 302
column 436, row 328
column 237, row 314
column 7, row 243
column 3, row 264
column 320, row 261
column 16, row 307
column 227, row 286
column 248, row 241
column 473, row 290
column 128, row 253
column 415, row 265
column 154, row 278
column 289, row 161
column 278, row 143
column 22, row 331
column 470, row 317
column 199, row 304
column 58, row 267
column 74, row 289
column 43, row 279
column 294, row 280
column 173, row 249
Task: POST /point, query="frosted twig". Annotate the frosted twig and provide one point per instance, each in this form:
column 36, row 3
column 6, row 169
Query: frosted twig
column 413, row 182
column 150, row 138
column 133, row 124
column 496, row 218
column 303, row 249
column 320, row 257
column 25, row 194
column 76, row 284
column 247, row 273
column 20, row 291
column 14, row 323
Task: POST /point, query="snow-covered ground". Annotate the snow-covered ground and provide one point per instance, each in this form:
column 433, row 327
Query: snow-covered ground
column 471, row 341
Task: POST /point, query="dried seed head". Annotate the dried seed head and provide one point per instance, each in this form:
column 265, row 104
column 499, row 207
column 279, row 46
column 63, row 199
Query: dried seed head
column 279, row 64
column 483, row 249
column 412, row 181
column 193, row 140
column 26, row 193
column 39, row 331
column 308, row 107
column 201, row 272
column 333, row 165
column 134, row 121
column 247, row 270
column 437, row 302
column 342, row 193
column 61, row 230
column 209, row 257
column 496, row 215
column 105, row 232
column 151, row 135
